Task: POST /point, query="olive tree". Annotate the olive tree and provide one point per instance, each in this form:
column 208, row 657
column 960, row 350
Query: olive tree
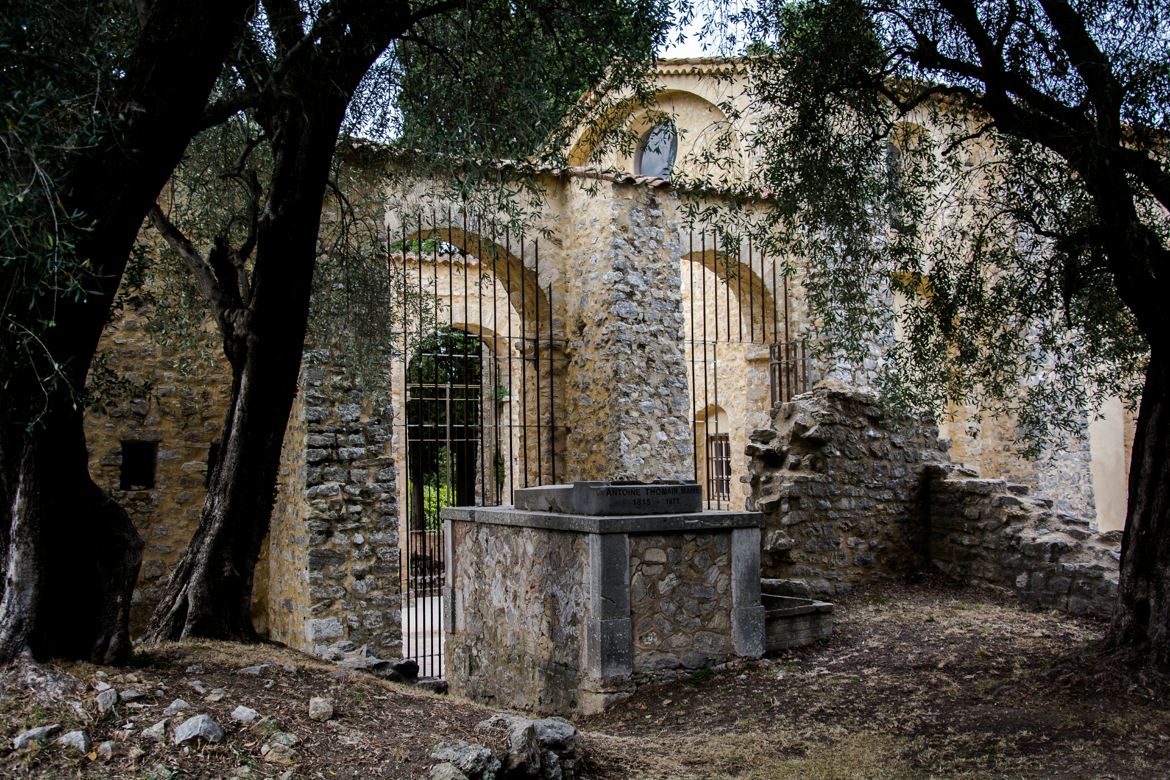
column 1003, row 164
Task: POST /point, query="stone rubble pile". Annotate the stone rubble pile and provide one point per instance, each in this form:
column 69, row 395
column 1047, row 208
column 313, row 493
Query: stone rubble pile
column 547, row 748
column 850, row 492
column 348, row 655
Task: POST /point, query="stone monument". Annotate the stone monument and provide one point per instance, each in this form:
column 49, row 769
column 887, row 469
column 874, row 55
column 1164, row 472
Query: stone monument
column 568, row 600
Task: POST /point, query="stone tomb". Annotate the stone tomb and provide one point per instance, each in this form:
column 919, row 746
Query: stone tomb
column 567, row 611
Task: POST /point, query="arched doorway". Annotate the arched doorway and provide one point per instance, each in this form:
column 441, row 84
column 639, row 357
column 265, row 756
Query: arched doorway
column 475, row 374
column 443, row 423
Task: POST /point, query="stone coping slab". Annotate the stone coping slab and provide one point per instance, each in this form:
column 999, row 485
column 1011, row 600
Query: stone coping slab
column 707, row 520
column 662, row 497
column 790, row 606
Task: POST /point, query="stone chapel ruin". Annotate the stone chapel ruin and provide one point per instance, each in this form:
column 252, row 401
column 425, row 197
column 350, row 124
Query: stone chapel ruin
column 619, row 339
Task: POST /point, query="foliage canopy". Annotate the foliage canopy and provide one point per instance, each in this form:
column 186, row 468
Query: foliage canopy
column 954, row 154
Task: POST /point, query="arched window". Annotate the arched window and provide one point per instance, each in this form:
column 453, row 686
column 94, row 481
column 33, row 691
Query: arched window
column 656, row 151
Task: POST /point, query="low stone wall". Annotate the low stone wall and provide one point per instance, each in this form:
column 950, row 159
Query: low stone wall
column 564, row 613
column 990, row 532
column 521, row 605
column 795, row 622
column 680, row 600
column 840, row 484
column 850, row 494
column 341, row 525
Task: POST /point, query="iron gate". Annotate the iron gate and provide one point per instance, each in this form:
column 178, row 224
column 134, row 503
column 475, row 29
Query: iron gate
column 477, row 384
column 477, row 379
column 738, row 322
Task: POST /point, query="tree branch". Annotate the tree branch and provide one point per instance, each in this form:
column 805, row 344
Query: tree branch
column 225, row 109
column 1091, row 64
column 287, row 24
column 195, row 261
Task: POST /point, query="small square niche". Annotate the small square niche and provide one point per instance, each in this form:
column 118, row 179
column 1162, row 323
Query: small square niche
column 138, row 465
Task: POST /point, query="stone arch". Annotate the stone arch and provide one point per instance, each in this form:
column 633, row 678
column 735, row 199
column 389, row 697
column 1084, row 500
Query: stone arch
column 699, row 123
column 512, row 261
column 754, row 298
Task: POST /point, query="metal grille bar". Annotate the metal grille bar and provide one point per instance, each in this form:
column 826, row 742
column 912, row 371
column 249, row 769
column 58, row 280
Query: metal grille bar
column 736, row 302
column 476, row 389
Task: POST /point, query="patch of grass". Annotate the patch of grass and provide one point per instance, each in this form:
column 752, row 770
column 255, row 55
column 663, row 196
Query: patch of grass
column 700, row 676
column 142, row 658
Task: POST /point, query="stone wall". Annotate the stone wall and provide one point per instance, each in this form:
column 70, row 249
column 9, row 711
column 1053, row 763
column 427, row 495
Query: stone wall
column 680, row 601
column 286, row 551
column 850, row 494
column 991, row 532
column 341, row 532
column 990, row 445
column 567, row 613
column 628, row 416
column 520, row 602
column 840, row 484
column 182, row 414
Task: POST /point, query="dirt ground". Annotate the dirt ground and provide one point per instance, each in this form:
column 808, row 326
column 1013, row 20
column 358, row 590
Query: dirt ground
column 918, row 681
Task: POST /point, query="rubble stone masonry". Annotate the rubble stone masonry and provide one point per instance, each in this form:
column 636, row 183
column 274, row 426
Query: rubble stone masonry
column 334, row 540
column 182, row 418
column 850, row 493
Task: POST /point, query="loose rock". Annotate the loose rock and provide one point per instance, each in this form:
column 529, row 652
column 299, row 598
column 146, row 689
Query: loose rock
column 75, row 740
column 256, row 671
column 33, row 735
column 545, row 748
column 474, row 761
column 277, row 753
column 244, row 714
column 106, row 700
column 105, row 750
column 175, row 707
column 446, row 771
column 320, row 708
column 157, row 732
column 198, row 727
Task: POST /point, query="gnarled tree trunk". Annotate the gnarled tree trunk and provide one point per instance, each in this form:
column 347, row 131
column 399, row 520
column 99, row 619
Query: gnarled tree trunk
column 210, row 592
column 1142, row 618
column 71, row 554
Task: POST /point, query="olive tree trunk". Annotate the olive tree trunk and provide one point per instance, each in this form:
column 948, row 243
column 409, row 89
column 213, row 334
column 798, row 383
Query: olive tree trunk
column 1142, row 617
column 70, row 554
column 210, row 592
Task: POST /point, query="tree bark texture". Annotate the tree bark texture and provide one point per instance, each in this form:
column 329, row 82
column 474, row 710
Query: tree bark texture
column 210, row 592
column 74, row 556
column 71, row 555
column 1142, row 618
